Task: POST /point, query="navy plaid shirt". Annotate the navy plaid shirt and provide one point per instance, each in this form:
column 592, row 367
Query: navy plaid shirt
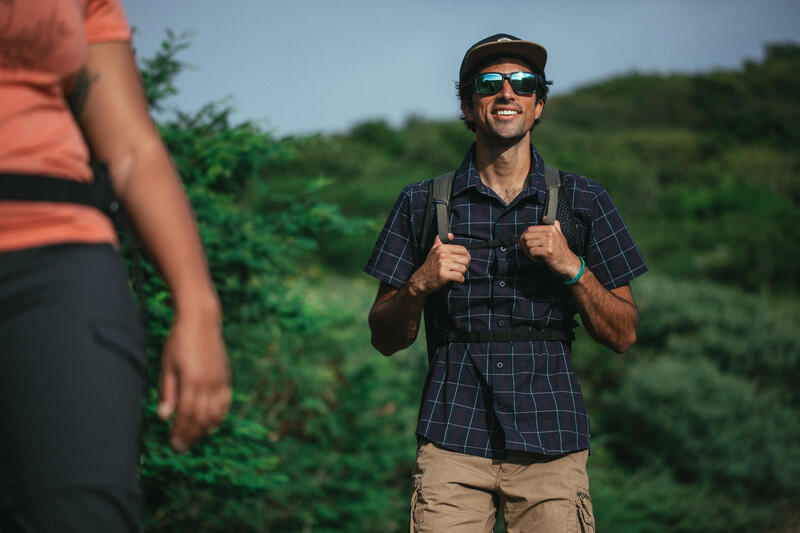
column 488, row 398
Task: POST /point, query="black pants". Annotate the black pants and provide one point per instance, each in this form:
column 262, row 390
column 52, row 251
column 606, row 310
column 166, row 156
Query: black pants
column 71, row 381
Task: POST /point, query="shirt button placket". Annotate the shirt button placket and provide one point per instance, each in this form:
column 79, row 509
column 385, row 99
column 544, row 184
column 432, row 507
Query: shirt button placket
column 499, row 365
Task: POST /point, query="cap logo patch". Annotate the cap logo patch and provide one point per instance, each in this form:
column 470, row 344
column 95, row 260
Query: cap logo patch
column 503, row 39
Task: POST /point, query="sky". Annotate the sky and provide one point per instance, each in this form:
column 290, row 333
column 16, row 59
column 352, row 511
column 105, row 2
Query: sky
column 306, row 66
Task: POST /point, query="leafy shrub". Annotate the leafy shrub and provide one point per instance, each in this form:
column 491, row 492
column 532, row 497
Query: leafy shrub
column 286, row 459
column 694, row 429
column 711, row 431
column 752, row 337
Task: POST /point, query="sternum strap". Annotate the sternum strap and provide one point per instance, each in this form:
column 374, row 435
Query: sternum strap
column 494, row 243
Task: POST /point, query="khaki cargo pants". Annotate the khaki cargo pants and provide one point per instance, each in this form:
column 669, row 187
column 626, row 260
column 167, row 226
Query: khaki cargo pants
column 459, row 493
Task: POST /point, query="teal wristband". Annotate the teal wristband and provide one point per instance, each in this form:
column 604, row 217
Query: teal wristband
column 574, row 280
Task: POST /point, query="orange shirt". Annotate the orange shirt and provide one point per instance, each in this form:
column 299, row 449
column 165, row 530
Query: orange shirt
column 43, row 45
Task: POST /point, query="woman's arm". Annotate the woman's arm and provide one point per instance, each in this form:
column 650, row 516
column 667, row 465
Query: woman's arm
column 111, row 108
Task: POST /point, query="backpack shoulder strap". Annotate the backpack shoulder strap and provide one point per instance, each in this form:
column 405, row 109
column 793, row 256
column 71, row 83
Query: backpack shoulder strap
column 552, row 179
column 442, row 191
column 437, row 211
column 559, row 207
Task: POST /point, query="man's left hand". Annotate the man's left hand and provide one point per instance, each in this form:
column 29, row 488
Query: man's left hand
column 547, row 243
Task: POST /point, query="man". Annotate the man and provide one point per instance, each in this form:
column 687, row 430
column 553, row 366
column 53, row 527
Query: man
column 502, row 421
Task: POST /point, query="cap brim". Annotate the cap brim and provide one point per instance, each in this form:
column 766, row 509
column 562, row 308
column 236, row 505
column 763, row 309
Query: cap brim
column 531, row 52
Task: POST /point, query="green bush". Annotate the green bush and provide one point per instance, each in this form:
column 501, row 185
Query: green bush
column 695, row 429
column 286, row 459
column 753, row 337
column 650, row 500
column 709, row 431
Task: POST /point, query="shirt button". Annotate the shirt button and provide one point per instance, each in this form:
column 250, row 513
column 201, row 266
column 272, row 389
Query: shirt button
column 499, row 365
column 502, row 283
column 501, row 323
column 502, row 248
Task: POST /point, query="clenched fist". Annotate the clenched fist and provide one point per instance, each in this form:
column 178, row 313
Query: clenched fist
column 445, row 263
column 547, row 243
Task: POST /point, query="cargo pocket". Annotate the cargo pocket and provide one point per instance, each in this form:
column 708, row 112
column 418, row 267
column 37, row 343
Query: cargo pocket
column 119, row 339
column 415, row 520
column 581, row 516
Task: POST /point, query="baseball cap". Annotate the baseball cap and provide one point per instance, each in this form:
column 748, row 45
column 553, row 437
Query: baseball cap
column 501, row 44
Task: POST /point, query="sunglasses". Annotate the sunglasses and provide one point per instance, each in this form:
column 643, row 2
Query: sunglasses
column 523, row 83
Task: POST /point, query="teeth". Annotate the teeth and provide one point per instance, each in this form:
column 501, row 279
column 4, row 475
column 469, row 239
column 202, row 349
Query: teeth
column 506, row 112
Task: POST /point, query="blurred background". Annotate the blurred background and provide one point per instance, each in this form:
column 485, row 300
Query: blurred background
column 296, row 125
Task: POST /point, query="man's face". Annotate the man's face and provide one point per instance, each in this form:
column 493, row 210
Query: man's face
column 505, row 117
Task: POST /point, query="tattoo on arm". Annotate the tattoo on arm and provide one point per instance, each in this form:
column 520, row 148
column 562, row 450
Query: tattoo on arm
column 80, row 92
column 8, row 5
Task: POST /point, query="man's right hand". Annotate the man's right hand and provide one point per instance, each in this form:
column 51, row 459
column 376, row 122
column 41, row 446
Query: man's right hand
column 445, row 263
column 395, row 316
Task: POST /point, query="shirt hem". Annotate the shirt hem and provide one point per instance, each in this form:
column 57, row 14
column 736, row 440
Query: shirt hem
column 502, row 454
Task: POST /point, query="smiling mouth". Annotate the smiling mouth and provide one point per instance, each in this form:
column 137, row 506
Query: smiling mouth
column 505, row 112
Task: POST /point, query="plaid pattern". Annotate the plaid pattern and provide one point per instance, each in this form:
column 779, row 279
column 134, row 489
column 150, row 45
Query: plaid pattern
column 488, row 398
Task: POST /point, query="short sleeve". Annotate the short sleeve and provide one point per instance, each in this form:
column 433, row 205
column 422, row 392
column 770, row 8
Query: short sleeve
column 611, row 254
column 394, row 257
column 106, row 22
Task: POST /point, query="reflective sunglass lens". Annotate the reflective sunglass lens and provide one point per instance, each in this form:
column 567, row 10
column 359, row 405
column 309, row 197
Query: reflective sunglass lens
column 488, row 83
column 523, row 82
column 491, row 82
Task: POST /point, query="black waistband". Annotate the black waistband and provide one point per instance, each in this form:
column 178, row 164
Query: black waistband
column 41, row 188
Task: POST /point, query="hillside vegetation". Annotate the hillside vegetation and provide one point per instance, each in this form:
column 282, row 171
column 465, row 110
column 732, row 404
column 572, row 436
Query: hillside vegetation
column 695, row 430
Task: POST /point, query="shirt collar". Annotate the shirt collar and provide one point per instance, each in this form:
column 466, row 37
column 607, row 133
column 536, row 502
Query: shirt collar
column 467, row 176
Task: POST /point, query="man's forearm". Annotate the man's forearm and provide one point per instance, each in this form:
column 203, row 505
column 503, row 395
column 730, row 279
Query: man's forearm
column 610, row 317
column 395, row 318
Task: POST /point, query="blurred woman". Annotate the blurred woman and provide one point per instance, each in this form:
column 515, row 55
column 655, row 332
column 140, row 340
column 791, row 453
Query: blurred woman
column 71, row 343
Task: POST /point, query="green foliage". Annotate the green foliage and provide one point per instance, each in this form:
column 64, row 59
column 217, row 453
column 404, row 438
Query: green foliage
column 713, row 432
column 707, row 426
column 699, row 420
column 343, row 423
column 158, row 73
column 694, row 430
column 704, row 167
column 650, row 500
column 757, row 104
column 753, row 337
column 299, row 386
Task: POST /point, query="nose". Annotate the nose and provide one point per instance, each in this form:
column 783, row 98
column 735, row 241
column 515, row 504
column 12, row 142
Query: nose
column 506, row 91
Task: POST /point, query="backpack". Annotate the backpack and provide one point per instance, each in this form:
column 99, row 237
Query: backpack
column 437, row 222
